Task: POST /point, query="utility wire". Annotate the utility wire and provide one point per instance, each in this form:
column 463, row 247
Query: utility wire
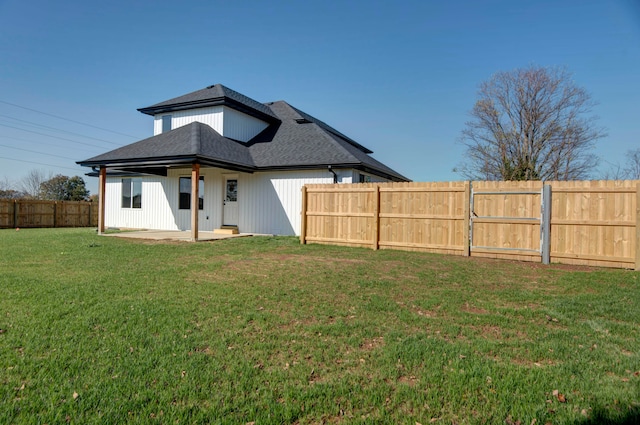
column 38, row 163
column 39, row 142
column 39, row 153
column 67, row 119
column 55, row 137
column 60, row 130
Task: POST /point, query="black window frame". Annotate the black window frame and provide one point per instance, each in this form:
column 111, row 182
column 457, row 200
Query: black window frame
column 184, row 196
column 131, row 193
column 364, row 178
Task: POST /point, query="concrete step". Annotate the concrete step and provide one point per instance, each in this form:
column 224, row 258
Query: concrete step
column 227, row 230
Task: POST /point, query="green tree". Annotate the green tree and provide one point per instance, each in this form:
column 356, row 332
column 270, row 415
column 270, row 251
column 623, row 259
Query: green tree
column 530, row 124
column 63, row 188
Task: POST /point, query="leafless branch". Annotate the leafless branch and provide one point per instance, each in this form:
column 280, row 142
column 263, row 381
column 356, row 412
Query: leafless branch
column 530, row 124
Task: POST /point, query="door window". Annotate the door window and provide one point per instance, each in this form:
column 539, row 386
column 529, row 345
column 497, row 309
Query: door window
column 232, row 191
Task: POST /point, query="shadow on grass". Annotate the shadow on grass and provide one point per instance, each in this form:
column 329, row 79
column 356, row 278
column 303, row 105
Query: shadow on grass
column 601, row 416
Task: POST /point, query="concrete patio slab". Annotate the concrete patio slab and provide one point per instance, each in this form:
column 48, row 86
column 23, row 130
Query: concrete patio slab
column 173, row 235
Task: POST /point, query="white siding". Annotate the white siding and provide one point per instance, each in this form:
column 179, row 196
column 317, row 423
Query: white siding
column 271, row 202
column 160, row 203
column 210, row 217
column 212, row 116
column 154, row 214
column 268, row 203
column 226, row 121
column 239, row 126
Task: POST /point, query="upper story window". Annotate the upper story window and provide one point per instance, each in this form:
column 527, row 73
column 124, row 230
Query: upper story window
column 166, row 123
column 132, row 193
column 184, row 203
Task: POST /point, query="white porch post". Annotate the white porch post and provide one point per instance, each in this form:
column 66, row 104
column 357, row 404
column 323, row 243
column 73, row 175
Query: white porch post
column 195, row 196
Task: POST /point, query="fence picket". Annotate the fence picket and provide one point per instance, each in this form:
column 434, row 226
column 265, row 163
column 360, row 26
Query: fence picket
column 38, row 213
column 594, row 223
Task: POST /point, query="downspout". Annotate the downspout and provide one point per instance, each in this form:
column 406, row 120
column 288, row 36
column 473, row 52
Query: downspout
column 335, row 176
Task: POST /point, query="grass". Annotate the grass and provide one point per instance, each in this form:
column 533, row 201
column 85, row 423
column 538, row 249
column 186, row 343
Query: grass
column 264, row 330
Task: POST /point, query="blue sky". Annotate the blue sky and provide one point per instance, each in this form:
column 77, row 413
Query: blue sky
column 398, row 77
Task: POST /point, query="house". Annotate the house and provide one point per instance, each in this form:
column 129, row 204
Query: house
column 249, row 159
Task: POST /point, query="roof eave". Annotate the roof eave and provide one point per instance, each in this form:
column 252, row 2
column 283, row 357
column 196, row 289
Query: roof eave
column 356, row 166
column 216, row 101
column 141, row 163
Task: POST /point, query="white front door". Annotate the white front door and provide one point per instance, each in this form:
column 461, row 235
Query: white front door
column 230, row 208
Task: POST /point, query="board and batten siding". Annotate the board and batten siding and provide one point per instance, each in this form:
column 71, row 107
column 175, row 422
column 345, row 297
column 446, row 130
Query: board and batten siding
column 226, row 121
column 160, row 197
column 271, row 202
column 153, row 199
column 239, row 126
column 268, row 203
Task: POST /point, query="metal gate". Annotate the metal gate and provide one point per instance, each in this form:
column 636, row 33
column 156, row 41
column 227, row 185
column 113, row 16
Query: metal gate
column 493, row 231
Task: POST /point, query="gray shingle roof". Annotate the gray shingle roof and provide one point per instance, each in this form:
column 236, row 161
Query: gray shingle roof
column 212, row 96
column 303, row 141
column 293, row 140
column 195, row 141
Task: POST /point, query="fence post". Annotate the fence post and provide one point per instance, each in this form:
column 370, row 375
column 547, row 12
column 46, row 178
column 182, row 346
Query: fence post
column 376, row 218
column 545, row 225
column 637, row 226
column 303, row 217
column 15, row 213
column 467, row 217
column 55, row 214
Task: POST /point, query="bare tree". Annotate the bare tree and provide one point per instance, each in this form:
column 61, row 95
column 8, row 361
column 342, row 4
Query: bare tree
column 30, row 184
column 530, row 124
column 5, row 184
column 614, row 172
column 630, row 170
column 632, row 165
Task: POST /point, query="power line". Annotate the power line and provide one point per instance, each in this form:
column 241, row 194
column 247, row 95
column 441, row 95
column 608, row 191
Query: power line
column 38, row 163
column 39, row 142
column 55, row 137
column 58, row 129
column 39, row 153
column 67, row 119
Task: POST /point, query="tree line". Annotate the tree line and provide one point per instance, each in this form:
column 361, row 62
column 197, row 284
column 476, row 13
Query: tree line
column 39, row 185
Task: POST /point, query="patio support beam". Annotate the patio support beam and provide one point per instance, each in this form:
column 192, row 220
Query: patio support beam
column 195, row 196
column 102, row 185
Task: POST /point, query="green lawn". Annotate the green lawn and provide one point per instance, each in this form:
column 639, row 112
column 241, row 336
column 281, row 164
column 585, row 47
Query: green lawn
column 265, row 330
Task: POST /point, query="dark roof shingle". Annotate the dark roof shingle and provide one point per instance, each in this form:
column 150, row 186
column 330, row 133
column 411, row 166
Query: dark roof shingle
column 194, row 140
column 212, row 96
column 293, row 140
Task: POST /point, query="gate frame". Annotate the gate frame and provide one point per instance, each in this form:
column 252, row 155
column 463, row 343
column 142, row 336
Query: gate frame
column 544, row 221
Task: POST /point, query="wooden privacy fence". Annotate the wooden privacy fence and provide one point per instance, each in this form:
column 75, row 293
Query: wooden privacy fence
column 36, row 213
column 593, row 223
